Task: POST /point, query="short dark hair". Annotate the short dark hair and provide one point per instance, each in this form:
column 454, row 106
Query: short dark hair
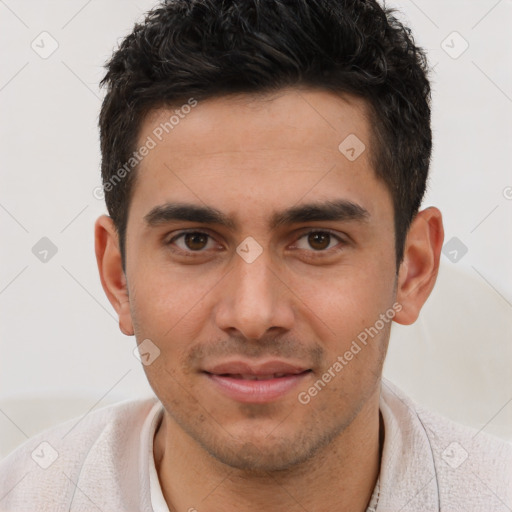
column 212, row 48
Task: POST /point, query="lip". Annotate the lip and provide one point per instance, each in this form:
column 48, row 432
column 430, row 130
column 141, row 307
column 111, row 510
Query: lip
column 231, row 379
column 238, row 367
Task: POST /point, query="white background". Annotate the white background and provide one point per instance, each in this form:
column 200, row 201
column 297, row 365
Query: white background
column 59, row 335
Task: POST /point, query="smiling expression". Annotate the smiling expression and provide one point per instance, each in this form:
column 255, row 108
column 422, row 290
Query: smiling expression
column 256, row 253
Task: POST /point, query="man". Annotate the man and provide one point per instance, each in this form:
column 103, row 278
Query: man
column 263, row 167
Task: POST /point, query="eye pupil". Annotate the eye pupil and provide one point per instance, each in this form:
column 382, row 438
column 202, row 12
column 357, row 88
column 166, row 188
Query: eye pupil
column 192, row 238
column 316, row 237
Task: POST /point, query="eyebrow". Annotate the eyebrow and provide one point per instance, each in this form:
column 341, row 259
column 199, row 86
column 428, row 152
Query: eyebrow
column 337, row 210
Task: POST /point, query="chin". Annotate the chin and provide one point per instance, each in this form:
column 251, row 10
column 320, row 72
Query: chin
column 268, row 454
column 252, row 459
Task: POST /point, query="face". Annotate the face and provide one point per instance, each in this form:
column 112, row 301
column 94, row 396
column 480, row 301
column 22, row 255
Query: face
column 258, row 252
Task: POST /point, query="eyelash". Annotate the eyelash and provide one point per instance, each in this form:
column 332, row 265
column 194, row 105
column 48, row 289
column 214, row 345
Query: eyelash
column 332, row 250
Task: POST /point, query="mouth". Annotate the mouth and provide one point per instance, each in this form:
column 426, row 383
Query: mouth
column 248, row 376
column 263, row 383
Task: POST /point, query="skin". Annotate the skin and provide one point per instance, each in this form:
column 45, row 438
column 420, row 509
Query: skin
column 299, row 300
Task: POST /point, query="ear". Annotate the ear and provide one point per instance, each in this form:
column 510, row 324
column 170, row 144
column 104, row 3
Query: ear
column 113, row 279
column 420, row 266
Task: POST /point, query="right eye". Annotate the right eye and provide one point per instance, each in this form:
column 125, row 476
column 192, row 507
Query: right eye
column 190, row 242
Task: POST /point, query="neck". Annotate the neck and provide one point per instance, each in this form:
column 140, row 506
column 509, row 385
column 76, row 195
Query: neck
column 341, row 476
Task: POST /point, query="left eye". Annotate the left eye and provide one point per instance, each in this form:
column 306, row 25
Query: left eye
column 319, row 240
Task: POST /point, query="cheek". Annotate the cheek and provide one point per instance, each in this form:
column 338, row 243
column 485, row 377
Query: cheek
column 169, row 304
column 343, row 303
column 174, row 305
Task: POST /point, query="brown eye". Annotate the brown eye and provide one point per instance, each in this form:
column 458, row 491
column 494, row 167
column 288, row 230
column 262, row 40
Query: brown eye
column 195, row 241
column 319, row 240
column 189, row 242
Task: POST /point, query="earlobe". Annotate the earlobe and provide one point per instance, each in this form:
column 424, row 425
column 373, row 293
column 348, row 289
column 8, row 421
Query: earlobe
column 113, row 279
column 420, row 266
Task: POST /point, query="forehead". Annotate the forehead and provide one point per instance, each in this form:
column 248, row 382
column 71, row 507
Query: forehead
column 269, row 149
column 245, row 122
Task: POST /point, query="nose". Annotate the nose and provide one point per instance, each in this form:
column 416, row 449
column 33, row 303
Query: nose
column 254, row 299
